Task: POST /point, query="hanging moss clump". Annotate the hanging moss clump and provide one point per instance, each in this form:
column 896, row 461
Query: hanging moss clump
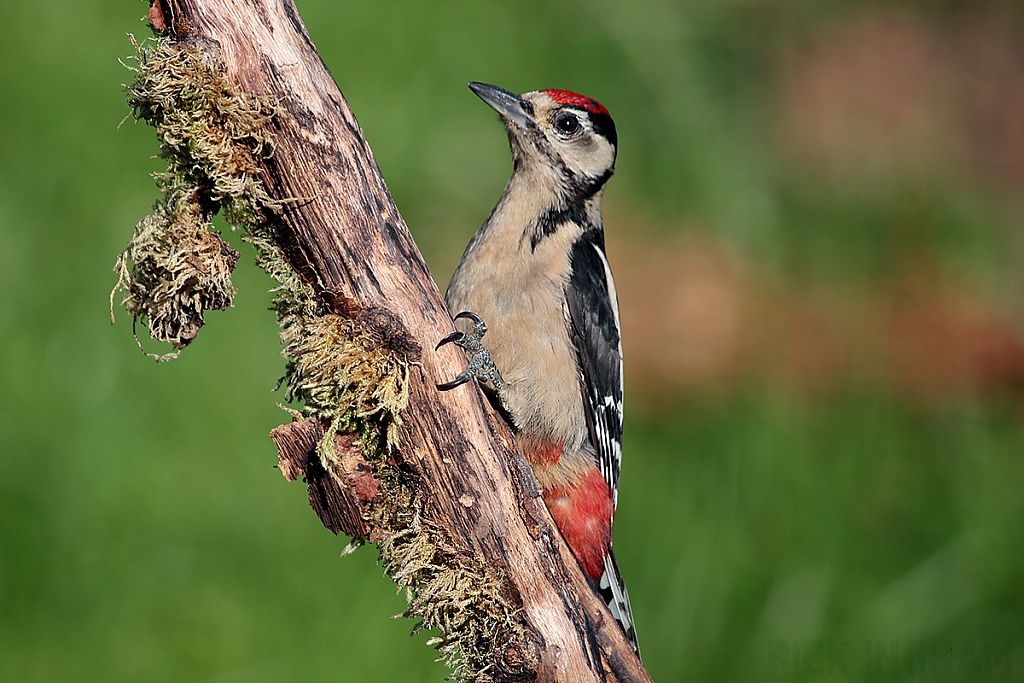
column 176, row 267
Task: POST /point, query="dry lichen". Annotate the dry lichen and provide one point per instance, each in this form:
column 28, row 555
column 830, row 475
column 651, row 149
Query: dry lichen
column 347, row 371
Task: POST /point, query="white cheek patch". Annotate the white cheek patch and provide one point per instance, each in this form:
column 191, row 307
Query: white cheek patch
column 591, row 156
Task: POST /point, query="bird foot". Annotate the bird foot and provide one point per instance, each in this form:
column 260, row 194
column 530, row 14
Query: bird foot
column 481, row 365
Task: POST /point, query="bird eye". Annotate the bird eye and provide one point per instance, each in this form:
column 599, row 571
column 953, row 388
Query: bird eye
column 567, row 123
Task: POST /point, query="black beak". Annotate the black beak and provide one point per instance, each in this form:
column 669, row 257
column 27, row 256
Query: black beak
column 509, row 105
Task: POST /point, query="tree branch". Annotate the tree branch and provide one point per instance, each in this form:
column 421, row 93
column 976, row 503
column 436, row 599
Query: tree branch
column 453, row 501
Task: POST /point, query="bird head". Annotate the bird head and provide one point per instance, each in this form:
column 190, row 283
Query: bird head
column 556, row 129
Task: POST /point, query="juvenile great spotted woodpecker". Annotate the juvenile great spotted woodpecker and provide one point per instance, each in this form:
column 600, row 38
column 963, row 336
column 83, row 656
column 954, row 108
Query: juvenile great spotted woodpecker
column 537, row 275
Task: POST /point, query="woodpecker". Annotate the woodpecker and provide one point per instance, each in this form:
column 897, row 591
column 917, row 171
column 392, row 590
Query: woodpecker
column 536, row 276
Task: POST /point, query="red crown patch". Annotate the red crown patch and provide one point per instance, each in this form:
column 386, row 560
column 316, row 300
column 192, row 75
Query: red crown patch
column 567, row 97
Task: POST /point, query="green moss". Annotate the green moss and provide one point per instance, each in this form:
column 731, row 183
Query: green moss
column 339, row 370
column 211, row 135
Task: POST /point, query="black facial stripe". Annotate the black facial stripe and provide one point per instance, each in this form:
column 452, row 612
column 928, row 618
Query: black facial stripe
column 603, row 125
column 572, row 208
column 552, row 219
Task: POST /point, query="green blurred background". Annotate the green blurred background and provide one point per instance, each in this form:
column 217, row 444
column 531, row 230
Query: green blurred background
column 816, row 226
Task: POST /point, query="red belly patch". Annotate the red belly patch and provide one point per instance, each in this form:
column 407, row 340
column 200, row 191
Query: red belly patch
column 583, row 512
column 542, row 452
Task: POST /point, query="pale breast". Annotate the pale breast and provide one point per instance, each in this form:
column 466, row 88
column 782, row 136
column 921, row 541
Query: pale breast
column 528, row 336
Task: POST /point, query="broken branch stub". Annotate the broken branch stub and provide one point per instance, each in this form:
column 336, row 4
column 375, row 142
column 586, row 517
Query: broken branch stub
column 433, row 479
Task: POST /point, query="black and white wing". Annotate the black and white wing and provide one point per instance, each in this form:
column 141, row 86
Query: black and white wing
column 595, row 332
column 594, row 315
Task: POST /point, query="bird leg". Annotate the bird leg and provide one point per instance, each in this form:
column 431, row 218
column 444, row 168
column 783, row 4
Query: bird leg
column 481, row 365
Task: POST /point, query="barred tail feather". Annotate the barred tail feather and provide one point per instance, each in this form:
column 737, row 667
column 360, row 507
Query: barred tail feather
column 613, row 592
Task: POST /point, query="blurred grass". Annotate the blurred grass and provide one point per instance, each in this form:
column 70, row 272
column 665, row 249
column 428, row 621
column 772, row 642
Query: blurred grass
column 795, row 524
column 861, row 535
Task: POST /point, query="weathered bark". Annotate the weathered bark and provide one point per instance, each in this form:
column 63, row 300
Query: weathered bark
column 346, row 239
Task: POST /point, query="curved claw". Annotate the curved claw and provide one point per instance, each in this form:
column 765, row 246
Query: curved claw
column 454, row 336
column 471, row 315
column 480, row 359
column 479, row 326
column 458, row 381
